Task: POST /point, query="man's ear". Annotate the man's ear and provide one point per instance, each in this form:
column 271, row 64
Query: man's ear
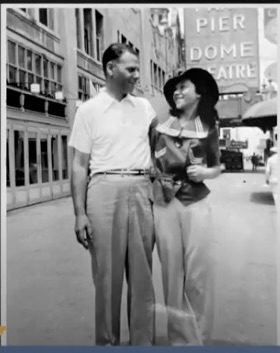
column 109, row 68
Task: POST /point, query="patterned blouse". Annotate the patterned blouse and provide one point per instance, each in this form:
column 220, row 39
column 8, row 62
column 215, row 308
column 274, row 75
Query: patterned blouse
column 175, row 148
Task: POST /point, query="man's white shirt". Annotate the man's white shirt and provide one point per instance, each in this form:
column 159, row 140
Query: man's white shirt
column 114, row 133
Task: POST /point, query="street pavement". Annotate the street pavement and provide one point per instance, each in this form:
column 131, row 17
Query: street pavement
column 50, row 295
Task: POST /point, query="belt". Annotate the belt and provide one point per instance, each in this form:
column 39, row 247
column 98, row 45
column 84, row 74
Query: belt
column 125, row 172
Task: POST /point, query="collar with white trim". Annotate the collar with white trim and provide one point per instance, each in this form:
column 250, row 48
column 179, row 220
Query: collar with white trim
column 172, row 128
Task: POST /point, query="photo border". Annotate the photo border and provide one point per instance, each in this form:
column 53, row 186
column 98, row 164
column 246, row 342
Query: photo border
column 3, row 242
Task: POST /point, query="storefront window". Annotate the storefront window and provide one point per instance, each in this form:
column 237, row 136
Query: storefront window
column 64, row 157
column 19, row 157
column 55, row 164
column 44, row 159
column 32, row 154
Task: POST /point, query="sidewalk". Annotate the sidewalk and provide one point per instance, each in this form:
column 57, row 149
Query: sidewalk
column 51, row 294
column 52, row 301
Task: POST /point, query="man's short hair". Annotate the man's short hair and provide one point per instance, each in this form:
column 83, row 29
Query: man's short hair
column 114, row 52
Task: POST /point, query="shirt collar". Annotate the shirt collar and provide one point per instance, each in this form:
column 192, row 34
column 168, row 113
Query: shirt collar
column 108, row 100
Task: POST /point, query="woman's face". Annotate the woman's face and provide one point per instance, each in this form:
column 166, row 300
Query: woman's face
column 185, row 95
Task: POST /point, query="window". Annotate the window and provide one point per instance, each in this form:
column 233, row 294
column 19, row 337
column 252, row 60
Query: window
column 32, row 157
column 83, row 88
column 159, row 78
column 59, row 74
column 7, row 160
column 29, row 60
column 64, row 157
column 98, row 34
column 11, row 60
column 19, row 157
column 163, row 77
column 155, row 75
column 44, row 158
column 43, row 16
column 11, row 52
column 88, row 31
column 151, row 72
column 52, row 70
column 54, row 154
column 58, row 78
column 46, row 17
column 38, row 64
column 118, row 36
column 21, row 57
column 78, row 24
column 22, row 64
column 25, row 67
column 46, row 75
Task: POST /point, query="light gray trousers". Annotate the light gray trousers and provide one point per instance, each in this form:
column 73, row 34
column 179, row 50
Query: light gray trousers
column 120, row 211
column 184, row 237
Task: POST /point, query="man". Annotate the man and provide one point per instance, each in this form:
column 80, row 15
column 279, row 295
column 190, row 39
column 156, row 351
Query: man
column 254, row 159
column 114, row 209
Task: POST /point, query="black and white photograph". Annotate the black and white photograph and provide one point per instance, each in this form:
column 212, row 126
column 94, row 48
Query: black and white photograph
column 141, row 174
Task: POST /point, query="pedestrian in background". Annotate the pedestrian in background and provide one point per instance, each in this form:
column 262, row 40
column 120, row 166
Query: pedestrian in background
column 254, row 160
column 114, row 209
column 187, row 153
column 271, row 174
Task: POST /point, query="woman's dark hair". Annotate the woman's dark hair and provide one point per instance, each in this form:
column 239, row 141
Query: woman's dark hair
column 206, row 107
column 114, row 52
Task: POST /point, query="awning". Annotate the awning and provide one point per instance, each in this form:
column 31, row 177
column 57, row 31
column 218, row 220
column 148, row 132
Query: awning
column 262, row 114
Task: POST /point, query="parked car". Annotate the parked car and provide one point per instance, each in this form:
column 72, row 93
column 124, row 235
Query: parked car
column 231, row 160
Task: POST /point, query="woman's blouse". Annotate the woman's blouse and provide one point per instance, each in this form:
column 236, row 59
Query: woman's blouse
column 175, row 148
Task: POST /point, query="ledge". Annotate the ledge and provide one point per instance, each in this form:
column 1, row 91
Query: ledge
column 25, row 100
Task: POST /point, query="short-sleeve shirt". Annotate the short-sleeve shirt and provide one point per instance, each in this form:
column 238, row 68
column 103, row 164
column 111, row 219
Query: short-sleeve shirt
column 176, row 148
column 114, row 133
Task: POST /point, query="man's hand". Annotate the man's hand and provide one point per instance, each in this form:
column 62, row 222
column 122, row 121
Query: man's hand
column 83, row 230
column 196, row 173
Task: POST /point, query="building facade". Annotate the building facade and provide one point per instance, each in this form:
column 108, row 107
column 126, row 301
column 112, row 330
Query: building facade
column 53, row 64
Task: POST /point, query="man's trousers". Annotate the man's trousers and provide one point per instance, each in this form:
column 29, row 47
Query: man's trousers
column 184, row 237
column 120, row 211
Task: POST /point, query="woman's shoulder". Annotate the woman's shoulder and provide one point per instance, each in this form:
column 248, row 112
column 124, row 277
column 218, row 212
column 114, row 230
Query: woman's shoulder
column 167, row 127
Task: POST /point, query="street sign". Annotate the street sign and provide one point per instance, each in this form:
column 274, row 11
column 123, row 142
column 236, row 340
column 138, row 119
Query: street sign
column 238, row 144
column 225, row 42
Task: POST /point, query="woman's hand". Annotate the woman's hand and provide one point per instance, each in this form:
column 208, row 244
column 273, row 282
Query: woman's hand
column 198, row 173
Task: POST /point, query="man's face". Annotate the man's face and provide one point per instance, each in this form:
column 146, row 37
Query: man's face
column 125, row 72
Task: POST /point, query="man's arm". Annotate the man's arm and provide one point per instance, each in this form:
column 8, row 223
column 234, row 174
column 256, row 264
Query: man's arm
column 79, row 177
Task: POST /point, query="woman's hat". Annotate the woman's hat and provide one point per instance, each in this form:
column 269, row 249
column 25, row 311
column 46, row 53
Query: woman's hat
column 202, row 79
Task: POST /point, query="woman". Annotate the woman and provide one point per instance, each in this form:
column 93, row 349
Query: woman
column 186, row 153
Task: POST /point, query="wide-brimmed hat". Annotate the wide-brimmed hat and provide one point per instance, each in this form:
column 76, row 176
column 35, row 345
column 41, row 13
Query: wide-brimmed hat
column 201, row 78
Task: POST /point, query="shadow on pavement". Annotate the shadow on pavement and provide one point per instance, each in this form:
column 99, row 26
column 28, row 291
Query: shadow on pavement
column 264, row 198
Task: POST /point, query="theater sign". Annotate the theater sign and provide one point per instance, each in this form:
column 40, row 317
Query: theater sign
column 225, row 42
